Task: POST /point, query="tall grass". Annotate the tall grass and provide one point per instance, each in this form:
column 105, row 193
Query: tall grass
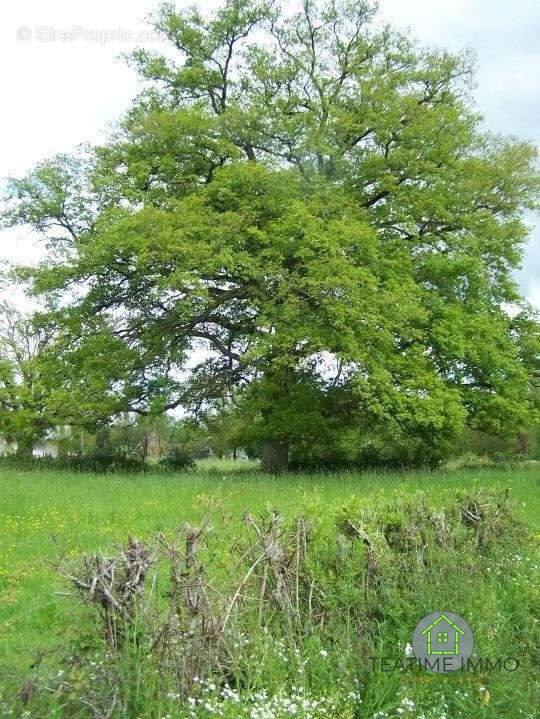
column 46, row 516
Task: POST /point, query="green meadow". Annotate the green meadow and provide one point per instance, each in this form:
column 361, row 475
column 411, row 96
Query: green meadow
column 48, row 517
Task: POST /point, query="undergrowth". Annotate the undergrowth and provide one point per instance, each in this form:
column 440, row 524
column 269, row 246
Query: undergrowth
column 281, row 617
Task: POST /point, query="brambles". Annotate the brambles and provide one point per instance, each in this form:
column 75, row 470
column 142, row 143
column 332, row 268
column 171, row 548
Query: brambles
column 486, row 513
column 251, row 618
column 113, row 584
column 178, row 459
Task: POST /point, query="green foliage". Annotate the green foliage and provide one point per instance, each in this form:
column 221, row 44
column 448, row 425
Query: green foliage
column 312, row 202
column 375, row 446
column 106, row 460
column 97, row 461
column 72, row 440
column 178, row 459
column 190, row 437
column 26, row 377
column 226, row 430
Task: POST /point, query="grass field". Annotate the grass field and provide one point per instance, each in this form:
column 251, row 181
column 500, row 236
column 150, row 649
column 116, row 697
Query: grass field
column 45, row 515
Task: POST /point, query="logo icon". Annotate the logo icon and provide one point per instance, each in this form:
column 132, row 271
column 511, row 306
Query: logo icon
column 23, row 34
column 442, row 642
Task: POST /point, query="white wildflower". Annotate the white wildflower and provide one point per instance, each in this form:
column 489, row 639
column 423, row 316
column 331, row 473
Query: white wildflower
column 407, row 704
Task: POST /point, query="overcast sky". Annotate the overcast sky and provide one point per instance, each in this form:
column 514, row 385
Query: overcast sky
column 58, row 92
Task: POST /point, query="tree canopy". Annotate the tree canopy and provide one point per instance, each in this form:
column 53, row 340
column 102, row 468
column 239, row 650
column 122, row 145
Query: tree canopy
column 312, row 199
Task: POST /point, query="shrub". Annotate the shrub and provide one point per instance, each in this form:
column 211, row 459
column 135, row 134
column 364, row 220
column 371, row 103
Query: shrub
column 281, row 608
column 178, row 459
column 352, row 451
column 96, row 461
column 469, row 460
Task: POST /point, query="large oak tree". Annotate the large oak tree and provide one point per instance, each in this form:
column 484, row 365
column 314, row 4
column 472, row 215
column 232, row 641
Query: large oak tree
column 313, row 199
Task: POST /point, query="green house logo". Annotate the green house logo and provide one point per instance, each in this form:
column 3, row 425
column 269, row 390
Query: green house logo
column 443, row 636
column 442, row 642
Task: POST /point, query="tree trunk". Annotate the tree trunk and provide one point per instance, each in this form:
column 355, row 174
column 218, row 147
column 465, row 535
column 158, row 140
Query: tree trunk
column 103, row 437
column 25, row 448
column 523, row 443
column 275, row 457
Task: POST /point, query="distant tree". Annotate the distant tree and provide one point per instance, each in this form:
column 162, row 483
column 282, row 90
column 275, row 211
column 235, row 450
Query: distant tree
column 51, row 381
column 160, row 427
column 24, row 412
column 314, row 201
column 189, row 436
column 128, row 434
column 228, row 430
column 72, row 440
